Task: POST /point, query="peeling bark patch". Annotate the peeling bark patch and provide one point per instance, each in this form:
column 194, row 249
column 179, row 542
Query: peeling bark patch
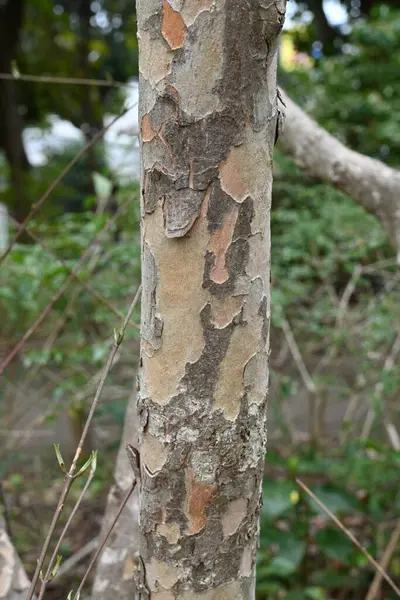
column 226, row 311
column 181, row 209
column 173, row 26
column 208, row 139
column 231, row 591
column 180, row 273
column 153, row 454
column 170, row 531
column 199, row 496
column 147, row 130
column 192, row 9
column 238, row 173
column 161, row 574
column 233, row 516
column 244, row 342
column 219, row 245
column 159, row 62
column 199, row 65
column 164, row 595
column 255, row 378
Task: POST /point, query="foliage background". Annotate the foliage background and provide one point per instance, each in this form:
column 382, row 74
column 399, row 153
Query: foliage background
column 331, row 410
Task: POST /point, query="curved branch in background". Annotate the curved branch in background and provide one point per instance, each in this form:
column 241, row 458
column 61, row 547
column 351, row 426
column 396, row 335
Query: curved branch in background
column 14, row 583
column 371, row 183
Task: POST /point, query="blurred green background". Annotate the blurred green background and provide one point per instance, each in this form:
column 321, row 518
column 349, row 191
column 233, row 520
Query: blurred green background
column 341, row 63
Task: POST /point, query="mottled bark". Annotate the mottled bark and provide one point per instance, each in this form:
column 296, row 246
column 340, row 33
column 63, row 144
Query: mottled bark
column 14, row 583
column 371, row 183
column 208, row 111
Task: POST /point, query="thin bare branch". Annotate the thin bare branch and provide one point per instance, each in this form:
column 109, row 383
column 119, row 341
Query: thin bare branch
column 294, row 349
column 62, row 289
column 379, row 387
column 65, row 80
column 384, row 563
column 70, row 475
column 105, row 537
column 36, row 207
column 351, row 537
column 48, row 576
column 87, row 287
column 81, row 554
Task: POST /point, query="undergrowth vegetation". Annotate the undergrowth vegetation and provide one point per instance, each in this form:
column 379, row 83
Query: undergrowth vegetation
column 335, row 375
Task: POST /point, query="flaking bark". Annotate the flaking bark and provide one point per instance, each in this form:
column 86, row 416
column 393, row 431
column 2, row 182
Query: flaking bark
column 208, row 110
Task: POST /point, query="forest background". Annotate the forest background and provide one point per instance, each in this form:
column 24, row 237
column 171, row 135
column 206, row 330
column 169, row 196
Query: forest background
column 335, row 374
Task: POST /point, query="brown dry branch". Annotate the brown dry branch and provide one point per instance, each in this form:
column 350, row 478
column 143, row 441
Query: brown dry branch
column 62, row 289
column 351, row 537
column 71, row 475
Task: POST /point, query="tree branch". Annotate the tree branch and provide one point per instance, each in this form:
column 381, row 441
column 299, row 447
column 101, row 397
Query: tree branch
column 371, row 183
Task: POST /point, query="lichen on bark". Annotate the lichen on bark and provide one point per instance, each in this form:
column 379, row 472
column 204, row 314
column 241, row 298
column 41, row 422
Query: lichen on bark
column 208, row 118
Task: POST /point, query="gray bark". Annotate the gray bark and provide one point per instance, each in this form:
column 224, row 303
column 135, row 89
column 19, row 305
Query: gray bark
column 14, row 583
column 371, row 183
column 208, row 111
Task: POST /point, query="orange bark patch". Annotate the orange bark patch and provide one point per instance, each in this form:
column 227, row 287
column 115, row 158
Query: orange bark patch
column 219, row 244
column 199, row 496
column 147, row 130
column 173, row 26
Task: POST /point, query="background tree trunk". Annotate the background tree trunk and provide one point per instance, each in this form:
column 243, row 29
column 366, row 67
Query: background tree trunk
column 11, row 16
column 208, row 110
column 113, row 577
column 14, row 583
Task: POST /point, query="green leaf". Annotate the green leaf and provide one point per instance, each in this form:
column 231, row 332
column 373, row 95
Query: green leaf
column 279, row 567
column 92, row 460
column 277, row 498
column 56, row 566
column 335, row 544
column 315, row 593
column 60, row 458
column 336, row 499
column 102, row 186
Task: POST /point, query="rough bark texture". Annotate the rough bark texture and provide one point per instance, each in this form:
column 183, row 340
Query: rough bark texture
column 114, row 570
column 208, row 111
column 14, row 583
column 371, row 183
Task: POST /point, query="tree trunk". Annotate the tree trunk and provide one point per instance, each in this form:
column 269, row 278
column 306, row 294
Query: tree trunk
column 11, row 14
column 208, row 112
